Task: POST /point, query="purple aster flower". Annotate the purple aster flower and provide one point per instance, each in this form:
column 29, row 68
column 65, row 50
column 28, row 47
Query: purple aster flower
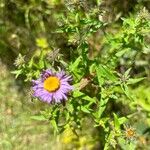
column 52, row 87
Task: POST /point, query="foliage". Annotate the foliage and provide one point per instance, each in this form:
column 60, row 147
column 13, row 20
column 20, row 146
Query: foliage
column 109, row 63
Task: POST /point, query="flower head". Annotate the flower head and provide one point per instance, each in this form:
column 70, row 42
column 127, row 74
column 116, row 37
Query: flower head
column 130, row 133
column 19, row 61
column 52, row 87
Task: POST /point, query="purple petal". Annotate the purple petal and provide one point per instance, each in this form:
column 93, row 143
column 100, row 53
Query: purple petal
column 67, row 78
column 57, row 97
column 46, row 97
column 46, row 73
column 60, row 74
column 36, row 81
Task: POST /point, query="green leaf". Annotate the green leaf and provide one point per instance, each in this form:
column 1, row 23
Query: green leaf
column 122, row 120
column 101, row 108
column 99, row 76
column 116, row 121
column 70, row 108
column 78, row 94
column 74, row 65
column 41, row 60
column 85, row 109
column 31, row 62
column 92, row 68
column 122, row 52
column 110, row 140
column 133, row 81
column 125, row 88
column 126, row 74
column 17, row 73
column 108, row 73
column 54, row 124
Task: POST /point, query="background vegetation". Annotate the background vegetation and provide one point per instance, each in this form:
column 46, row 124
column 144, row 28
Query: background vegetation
column 104, row 45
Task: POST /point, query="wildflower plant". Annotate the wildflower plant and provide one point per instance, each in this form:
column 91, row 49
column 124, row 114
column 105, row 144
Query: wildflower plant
column 99, row 64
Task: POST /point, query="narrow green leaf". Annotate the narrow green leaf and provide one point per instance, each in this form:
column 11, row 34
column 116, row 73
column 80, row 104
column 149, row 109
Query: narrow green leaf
column 17, row 73
column 122, row 52
column 78, row 94
column 109, row 75
column 74, row 65
column 54, row 124
column 133, row 81
column 99, row 76
column 104, row 73
column 84, row 109
column 125, row 88
column 126, row 74
column 102, row 107
column 122, row 120
column 116, row 121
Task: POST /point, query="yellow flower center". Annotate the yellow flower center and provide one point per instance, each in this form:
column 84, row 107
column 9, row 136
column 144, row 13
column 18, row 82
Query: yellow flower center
column 130, row 133
column 51, row 84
